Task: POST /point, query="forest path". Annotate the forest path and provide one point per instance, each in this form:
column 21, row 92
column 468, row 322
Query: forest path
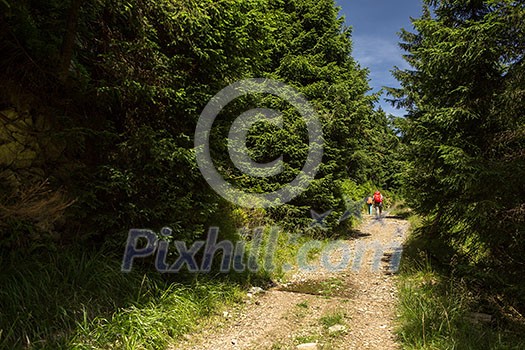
column 358, row 302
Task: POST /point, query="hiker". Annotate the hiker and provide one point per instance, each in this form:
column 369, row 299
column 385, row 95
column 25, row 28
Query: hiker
column 378, row 202
column 369, row 202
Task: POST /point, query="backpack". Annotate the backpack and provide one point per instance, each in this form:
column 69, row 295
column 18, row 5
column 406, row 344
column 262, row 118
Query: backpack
column 377, row 197
column 369, row 200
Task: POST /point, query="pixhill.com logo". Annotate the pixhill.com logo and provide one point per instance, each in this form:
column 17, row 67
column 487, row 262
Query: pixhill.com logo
column 199, row 256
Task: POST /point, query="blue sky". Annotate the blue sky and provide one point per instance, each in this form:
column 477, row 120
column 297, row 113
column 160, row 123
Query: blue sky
column 375, row 24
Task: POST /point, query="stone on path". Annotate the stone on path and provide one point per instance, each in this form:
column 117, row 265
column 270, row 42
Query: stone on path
column 338, row 328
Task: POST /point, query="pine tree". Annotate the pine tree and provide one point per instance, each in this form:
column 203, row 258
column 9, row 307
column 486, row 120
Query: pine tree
column 465, row 129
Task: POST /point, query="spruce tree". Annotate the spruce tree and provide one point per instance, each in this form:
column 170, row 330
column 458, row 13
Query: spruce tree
column 465, row 131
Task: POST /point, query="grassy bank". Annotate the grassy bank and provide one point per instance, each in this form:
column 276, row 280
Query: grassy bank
column 82, row 300
column 439, row 310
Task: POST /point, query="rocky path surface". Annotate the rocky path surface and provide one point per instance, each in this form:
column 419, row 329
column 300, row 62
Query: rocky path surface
column 352, row 308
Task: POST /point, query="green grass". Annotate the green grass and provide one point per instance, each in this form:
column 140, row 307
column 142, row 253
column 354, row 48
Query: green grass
column 434, row 309
column 302, row 339
column 303, row 304
column 80, row 299
column 83, row 301
column 332, row 319
column 158, row 322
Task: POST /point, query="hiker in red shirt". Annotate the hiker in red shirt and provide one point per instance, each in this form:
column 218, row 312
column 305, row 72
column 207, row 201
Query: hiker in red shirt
column 378, row 202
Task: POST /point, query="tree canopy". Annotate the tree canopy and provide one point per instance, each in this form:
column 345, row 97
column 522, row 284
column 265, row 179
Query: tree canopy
column 106, row 96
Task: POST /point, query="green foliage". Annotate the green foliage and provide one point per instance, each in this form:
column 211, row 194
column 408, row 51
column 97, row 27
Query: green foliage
column 463, row 135
column 310, row 50
column 79, row 299
column 143, row 185
column 140, row 75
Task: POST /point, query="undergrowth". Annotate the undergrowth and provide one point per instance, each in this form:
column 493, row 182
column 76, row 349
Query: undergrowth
column 83, row 301
column 437, row 308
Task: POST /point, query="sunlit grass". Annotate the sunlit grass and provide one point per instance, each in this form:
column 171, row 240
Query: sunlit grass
column 71, row 300
column 332, row 319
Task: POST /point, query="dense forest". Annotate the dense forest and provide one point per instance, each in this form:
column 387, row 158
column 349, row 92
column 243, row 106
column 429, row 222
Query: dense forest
column 99, row 102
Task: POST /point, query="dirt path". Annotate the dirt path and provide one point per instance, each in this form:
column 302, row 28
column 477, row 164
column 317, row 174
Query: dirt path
column 348, row 309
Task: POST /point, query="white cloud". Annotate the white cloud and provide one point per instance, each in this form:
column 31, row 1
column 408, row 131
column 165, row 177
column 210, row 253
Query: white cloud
column 378, row 54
